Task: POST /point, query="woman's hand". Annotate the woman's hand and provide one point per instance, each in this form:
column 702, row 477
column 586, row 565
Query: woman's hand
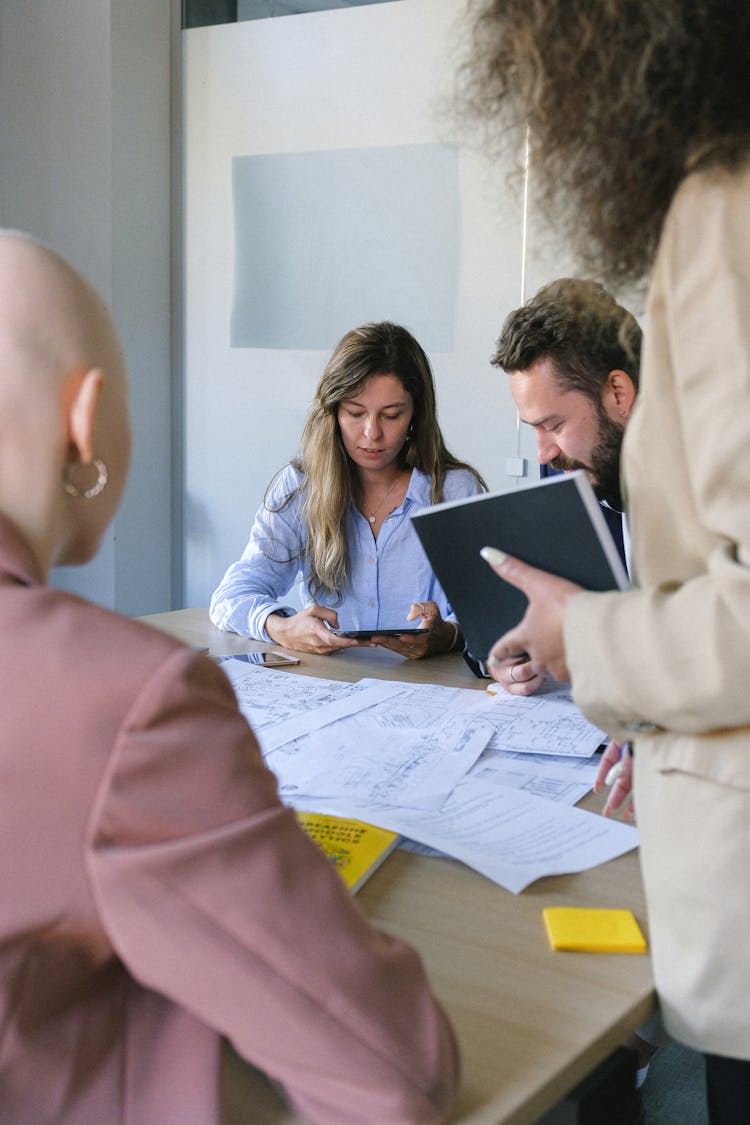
column 442, row 636
column 539, row 636
column 621, row 791
column 308, row 631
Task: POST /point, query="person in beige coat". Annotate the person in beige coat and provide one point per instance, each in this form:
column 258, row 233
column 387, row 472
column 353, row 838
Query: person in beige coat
column 157, row 896
column 640, row 131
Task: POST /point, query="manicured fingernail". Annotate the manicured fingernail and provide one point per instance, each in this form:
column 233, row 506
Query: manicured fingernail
column 613, row 774
column 492, row 556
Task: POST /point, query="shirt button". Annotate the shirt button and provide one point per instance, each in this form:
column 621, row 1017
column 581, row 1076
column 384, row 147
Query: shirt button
column 371, row 604
column 371, row 560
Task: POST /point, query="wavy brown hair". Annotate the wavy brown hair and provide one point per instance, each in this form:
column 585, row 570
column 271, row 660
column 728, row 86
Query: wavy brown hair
column 578, row 325
column 329, row 478
column 620, row 97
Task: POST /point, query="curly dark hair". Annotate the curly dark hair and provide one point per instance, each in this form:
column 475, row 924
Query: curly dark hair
column 620, row 98
column 580, row 327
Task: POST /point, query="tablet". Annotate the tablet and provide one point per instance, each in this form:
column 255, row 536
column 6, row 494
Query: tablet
column 366, row 634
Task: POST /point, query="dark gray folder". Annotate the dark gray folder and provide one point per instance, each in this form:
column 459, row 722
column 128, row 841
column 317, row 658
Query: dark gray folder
column 555, row 524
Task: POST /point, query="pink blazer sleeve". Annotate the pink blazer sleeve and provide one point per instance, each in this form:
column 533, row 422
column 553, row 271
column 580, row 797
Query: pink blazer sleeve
column 213, row 897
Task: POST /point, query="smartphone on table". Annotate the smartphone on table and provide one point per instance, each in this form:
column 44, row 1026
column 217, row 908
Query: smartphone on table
column 265, row 659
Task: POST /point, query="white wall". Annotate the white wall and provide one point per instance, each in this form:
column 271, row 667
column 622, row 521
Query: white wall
column 378, row 75
column 85, row 146
column 85, row 166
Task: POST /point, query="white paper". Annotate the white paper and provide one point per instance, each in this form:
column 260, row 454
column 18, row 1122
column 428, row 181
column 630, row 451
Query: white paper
column 521, row 771
column 363, row 758
column 283, row 706
column 511, row 837
column 398, row 755
column 546, row 723
column 574, row 769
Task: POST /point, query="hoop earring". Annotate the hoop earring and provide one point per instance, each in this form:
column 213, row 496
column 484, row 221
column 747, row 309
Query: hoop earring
column 89, row 493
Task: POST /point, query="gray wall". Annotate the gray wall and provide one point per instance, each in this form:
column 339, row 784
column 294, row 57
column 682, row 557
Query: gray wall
column 85, row 166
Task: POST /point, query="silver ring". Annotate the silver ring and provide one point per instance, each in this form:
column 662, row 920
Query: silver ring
column 421, row 606
column 513, row 678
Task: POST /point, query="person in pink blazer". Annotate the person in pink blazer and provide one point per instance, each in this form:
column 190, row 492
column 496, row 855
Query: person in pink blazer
column 157, row 896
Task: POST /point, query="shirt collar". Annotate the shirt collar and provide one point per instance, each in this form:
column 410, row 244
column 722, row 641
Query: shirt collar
column 418, row 491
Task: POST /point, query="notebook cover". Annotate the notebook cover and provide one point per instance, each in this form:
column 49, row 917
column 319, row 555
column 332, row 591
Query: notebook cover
column 555, row 524
column 354, row 848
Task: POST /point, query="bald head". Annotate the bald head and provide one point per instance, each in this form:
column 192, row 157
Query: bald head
column 51, row 320
column 62, row 400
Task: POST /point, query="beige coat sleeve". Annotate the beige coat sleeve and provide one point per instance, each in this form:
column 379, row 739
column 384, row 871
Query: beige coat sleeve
column 675, row 652
column 213, row 897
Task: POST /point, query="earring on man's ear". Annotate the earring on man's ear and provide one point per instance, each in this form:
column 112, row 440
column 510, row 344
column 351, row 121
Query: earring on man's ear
column 93, row 490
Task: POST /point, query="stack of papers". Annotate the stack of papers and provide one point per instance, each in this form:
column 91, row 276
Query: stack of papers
column 488, row 779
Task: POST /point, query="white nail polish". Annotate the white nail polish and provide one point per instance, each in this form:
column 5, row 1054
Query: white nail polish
column 493, row 556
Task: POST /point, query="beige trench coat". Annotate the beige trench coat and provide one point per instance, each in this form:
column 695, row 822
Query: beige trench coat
column 668, row 663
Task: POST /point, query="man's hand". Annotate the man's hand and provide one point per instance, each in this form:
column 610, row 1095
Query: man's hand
column 517, row 675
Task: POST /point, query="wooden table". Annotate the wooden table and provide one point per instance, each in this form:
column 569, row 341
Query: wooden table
column 531, row 1023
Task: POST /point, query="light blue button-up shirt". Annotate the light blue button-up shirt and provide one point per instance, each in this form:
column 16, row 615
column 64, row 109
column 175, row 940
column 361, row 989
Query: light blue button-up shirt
column 387, row 574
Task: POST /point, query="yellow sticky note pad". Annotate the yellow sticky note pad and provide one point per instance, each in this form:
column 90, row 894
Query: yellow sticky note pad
column 598, row 931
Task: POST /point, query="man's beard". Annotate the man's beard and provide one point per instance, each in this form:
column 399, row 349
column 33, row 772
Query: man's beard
column 604, row 469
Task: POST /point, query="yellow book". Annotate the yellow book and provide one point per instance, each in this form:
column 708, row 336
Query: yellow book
column 354, row 848
column 599, row 931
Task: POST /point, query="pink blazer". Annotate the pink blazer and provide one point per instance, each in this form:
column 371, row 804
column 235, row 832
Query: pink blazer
column 157, row 896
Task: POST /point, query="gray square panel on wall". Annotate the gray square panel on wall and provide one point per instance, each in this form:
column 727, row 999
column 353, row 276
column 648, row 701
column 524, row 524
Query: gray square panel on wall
column 328, row 240
column 262, row 9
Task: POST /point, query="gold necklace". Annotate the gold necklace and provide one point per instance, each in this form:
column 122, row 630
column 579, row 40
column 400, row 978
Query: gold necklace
column 373, row 515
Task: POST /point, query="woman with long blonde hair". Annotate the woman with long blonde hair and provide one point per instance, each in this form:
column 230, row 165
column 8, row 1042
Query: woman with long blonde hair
column 371, row 455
